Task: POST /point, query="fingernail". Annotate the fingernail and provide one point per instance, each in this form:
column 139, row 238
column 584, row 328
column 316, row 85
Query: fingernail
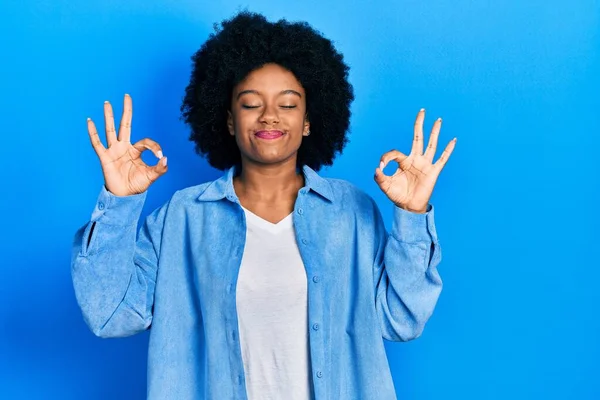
column 164, row 161
column 127, row 94
column 440, row 119
column 105, row 101
column 160, row 154
column 381, row 166
column 422, row 109
column 455, row 139
column 89, row 119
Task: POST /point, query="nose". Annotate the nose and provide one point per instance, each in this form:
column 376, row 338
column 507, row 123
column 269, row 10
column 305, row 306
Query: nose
column 269, row 116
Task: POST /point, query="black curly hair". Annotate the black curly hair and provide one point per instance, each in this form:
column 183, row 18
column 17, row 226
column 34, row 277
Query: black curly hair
column 245, row 43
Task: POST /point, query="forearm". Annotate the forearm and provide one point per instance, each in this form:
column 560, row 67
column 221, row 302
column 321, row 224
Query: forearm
column 408, row 283
column 111, row 276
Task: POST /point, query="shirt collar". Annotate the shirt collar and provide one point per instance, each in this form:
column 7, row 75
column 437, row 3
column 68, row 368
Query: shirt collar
column 223, row 187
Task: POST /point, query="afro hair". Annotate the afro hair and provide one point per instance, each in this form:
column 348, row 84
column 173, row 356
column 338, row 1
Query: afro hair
column 245, row 43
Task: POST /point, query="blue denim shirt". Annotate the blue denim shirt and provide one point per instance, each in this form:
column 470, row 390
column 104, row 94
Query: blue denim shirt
column 178, row 277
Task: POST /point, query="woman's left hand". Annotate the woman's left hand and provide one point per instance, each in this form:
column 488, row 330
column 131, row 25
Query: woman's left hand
column 411, row 186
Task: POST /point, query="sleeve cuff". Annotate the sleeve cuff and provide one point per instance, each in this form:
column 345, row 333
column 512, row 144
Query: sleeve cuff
column 410, row 227
column 118, row 210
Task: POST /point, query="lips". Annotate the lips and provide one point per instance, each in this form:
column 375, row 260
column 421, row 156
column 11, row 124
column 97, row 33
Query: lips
column 269, row 134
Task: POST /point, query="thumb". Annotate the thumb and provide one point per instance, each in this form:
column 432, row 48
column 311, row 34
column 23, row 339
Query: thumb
column 158, row 170
column 381, row 178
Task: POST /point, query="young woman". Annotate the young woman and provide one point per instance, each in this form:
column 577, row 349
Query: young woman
column 271, row 282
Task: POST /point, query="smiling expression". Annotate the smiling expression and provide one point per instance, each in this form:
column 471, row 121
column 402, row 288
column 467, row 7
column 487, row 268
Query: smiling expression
column 268, row 115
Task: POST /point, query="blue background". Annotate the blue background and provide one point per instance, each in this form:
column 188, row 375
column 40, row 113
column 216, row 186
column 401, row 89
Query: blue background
column 516, row 207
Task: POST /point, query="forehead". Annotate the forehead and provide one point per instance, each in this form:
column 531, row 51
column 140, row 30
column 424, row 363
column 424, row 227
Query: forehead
column 270, row 76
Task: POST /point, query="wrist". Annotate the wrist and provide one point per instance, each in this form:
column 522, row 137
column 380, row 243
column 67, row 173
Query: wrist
column 413, row 210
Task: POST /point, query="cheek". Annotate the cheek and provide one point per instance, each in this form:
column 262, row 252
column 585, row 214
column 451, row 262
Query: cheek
column 298, row 119
column 241, row 123
column 238, row 120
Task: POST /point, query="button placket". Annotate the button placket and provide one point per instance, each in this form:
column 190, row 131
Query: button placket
column 315, row 336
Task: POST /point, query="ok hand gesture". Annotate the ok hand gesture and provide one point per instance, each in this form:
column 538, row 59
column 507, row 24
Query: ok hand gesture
column 411, row 186
column 124, row 171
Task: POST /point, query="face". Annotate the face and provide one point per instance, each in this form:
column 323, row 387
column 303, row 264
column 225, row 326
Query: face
column 268, row 115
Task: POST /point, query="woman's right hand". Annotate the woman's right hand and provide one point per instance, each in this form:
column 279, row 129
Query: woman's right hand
column 124, row 171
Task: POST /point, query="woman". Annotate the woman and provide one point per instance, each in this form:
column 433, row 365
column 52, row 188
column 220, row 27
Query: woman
column 270, row 282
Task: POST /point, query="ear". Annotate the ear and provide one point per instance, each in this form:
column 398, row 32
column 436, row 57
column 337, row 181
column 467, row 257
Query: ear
column 306, row 130
column 230, row 123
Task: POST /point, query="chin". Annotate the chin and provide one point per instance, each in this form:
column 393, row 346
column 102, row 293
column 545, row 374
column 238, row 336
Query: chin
column 270, row 159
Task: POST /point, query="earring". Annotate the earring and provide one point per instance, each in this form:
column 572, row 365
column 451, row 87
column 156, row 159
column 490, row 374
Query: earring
column 307, row 133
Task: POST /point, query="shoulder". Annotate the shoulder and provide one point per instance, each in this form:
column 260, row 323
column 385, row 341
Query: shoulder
column 201, row 196
column 356, row 204
column 189, row 194
column 347, row 193
column 176, row 207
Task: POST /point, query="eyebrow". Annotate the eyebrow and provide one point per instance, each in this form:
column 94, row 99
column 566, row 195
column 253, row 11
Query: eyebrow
column 288, row 91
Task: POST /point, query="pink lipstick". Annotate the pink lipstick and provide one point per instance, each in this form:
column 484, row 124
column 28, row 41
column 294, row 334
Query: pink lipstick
column 269, row 135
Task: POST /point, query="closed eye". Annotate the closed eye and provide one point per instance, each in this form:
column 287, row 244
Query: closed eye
column 250, row 107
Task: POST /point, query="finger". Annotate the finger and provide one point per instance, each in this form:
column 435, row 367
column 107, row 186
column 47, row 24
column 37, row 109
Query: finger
column 433, row 140
column 94, row 138
column 382, row 179
column 441, row 162
column 158, row 170
column 109, row 123
column 149, row 144
column 417, row 147
column 392, row 155
column 125, row 126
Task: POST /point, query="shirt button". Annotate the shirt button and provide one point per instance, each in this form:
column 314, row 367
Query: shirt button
column 319, row 374
column 316, row 278
column 300, row 211
column 101, row 206
column 304, row 241
column 316, row 327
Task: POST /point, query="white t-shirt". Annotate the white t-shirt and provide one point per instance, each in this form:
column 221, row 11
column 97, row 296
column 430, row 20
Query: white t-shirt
column 271, row 299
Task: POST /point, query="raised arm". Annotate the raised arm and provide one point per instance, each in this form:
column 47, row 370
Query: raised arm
column 114, row 271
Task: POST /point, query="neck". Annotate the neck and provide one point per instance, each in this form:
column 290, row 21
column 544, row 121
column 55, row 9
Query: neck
column 260, row 183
